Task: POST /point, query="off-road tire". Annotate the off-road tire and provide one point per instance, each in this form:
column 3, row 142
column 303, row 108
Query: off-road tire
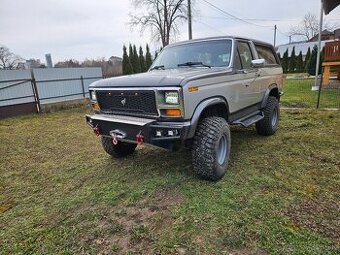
column 268, row 125
column 119, row 150
column 208, row 161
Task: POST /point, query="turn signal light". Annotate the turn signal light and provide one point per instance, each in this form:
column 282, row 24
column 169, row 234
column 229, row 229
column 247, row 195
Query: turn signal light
column 173, row 112
column 193, row 89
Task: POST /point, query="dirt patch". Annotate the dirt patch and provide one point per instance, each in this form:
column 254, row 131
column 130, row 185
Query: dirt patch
column 323, row 159
column 247, row 252
column 318, row 214
column 121, row 230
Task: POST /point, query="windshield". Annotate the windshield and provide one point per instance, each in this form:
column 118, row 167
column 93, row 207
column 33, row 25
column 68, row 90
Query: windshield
column 198, row 54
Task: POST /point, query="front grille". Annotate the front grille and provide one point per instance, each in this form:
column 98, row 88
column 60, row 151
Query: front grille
column 127, row 102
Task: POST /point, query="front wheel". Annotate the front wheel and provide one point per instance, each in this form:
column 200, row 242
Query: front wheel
column 268, row 125
column 121, row 149
column 211, row 148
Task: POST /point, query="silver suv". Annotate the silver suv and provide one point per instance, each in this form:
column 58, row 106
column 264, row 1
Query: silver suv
column 191, row 94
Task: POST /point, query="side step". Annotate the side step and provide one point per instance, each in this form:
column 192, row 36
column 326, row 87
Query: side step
column 249, row 119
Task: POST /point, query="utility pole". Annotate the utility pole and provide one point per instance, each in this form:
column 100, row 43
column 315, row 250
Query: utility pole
column 318, row 58
column 189, row 20
column 275, row 29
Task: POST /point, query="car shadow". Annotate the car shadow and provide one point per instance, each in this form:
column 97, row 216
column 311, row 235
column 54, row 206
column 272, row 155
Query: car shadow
column 151, row 161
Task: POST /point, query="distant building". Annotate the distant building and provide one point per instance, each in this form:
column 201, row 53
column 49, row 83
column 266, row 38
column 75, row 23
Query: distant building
column 33, row 63
column 48, row 59
column 299, row 46
column 326, row 36
column 116, row 60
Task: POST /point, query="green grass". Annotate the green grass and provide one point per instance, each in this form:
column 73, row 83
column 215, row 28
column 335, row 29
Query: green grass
column 298, row 93
column 61, row 194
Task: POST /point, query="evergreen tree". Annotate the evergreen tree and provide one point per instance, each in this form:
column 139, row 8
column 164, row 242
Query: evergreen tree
column 135, row 63
column 312, row 61
column 285, row 62
column 127, row 68
column 148, row 57
column 142, row 60
column 307, row 59
column 292, row 62
column 157, row 52
column 279, row 55
column 299, row 63
column 131, row 58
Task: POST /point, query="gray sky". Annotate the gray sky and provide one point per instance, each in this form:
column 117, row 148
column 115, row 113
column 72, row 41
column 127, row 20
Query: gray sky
column 98, row 28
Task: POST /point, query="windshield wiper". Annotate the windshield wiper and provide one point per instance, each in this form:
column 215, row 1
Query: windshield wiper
column 157, row 67
column 194, row 64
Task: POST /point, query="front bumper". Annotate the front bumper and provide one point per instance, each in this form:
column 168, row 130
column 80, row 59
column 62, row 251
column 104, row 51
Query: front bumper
column 130, row 129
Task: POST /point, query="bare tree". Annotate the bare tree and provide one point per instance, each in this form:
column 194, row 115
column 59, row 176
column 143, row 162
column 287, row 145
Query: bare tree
column 162, row 17
column 9, row 60
column 309, row 27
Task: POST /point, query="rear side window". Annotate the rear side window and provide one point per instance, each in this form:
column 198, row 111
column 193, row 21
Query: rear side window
column 267, row 54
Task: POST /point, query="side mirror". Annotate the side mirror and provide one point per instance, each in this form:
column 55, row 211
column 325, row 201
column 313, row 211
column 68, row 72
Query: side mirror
column 257, row 63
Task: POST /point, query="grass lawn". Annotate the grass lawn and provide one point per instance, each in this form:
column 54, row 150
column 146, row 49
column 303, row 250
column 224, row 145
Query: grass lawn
column 298, row 93
column 61, row 194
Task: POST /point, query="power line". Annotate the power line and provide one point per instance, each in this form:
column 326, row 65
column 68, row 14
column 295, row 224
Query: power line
column 211, row 27
column 213, row 17
column 282, row 33
column 233, row 16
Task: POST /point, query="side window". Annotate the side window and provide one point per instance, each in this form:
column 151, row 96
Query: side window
column 237, row 62
column 245, row 54
column 267, row 54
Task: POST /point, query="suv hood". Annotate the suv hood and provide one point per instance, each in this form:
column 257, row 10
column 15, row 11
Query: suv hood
column 170, row 77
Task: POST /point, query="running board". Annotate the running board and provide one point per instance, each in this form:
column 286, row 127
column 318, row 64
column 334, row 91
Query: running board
column 249, row 119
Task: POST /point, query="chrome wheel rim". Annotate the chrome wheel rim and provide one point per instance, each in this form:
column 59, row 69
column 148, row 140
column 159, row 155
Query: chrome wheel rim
column 222, row 150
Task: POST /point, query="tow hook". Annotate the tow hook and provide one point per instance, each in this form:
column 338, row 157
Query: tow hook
column 117, row 134
column 96, row 131
column 140, row 138
column 114, row 139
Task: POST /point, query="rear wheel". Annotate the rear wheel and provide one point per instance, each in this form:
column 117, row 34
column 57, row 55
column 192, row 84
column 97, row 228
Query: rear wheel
column 121, row 149
column 268, row 125
column 211, row 148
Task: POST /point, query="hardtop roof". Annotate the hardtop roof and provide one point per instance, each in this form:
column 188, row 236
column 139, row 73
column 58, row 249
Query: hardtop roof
column 220, row 38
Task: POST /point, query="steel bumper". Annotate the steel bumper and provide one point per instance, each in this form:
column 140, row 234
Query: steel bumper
column 131, row 129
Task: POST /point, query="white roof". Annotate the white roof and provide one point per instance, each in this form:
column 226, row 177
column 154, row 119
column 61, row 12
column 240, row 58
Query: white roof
column 299, row 46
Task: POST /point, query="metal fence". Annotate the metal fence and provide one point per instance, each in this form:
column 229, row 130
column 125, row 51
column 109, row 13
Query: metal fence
column 300, row 92
column 25, row 91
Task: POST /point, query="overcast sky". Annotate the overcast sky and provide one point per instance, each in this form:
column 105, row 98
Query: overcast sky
column 82, row 29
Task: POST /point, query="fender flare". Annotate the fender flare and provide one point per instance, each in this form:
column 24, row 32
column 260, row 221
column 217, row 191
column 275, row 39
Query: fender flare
column 198, row 111
column 266, row 94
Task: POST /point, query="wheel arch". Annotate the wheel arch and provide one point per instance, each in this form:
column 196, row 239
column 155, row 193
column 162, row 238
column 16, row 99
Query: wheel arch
column 272, row 90
column 216, row 106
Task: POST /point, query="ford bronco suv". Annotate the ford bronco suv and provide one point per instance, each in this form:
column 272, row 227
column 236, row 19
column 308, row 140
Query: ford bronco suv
column 190, row 95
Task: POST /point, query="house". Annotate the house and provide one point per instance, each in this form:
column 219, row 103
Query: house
column 326, row 36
